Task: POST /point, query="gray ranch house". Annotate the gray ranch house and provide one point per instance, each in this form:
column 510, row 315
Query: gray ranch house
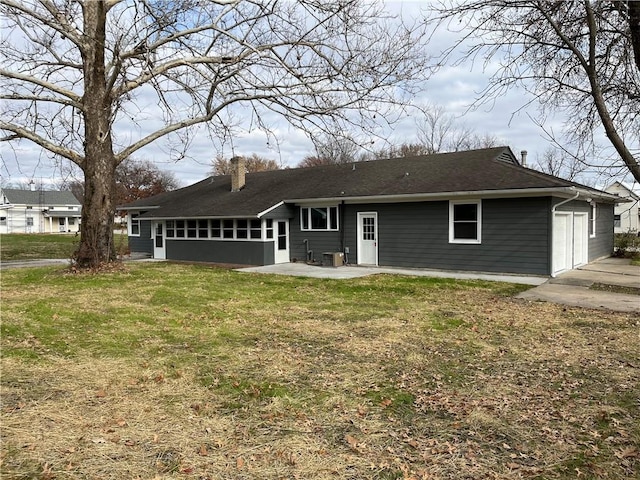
column 478, row 210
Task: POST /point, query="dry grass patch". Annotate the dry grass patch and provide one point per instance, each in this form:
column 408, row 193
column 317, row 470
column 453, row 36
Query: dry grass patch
column 172, row 371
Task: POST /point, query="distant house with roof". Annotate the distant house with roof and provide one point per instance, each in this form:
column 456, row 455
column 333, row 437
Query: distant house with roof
column 38, row 211
column 479, row 210
column 626, row 215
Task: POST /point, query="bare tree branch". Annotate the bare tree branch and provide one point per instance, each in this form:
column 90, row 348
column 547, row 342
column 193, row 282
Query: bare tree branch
column 574, row 56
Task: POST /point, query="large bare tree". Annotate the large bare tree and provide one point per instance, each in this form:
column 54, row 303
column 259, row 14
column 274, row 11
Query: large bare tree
column 440, row 131
column 579, row 57
column 95, row 81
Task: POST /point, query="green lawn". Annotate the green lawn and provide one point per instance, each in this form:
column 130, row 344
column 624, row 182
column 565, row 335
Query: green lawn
column 185, row 371
column 32, row 246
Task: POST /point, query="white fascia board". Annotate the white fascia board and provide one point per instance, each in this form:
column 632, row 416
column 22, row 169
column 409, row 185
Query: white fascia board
column 201, row 217
column 416, row 197
column 270, row 209
column 150, row 207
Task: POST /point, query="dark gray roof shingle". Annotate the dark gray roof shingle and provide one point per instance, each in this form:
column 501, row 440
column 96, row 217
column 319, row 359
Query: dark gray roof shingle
column 49, row 197
column 471, row 171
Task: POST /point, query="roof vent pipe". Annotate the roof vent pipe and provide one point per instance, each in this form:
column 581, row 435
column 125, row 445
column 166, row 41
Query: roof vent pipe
column 523, row 154
column 238, row 170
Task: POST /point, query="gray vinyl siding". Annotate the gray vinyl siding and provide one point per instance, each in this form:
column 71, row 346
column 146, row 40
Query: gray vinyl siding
column 143, row 243
column 220, row 251
column 602, row 244
column 319, row 242
column 514, row 236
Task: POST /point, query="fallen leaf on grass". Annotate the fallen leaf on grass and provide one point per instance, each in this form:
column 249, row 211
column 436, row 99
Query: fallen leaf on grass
column 353, row 443
column 628, row 452
column 239, row 463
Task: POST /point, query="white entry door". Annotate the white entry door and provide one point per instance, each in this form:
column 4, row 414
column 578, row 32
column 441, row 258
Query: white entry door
column 281, row 241
column 159, row 242
column 367, row 238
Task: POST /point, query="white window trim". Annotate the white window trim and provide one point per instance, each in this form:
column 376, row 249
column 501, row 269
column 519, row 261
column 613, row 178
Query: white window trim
column 593, row 224
column 130, row 223
column 328, row 229
column 477, row 241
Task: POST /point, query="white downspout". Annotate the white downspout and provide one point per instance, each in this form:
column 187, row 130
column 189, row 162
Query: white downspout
column 553, row 211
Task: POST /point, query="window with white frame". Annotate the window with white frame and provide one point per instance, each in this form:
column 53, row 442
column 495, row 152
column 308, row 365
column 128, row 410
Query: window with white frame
column 242, row 228
column 319, row 218
column 180, row 228
column 134, row 224
column 465, row 221
column 269, row 228
column 192, row 229
column 29, row 221
column 227, row 228
column 617, row 221
column 203, row 228
column 592, row 219
column 216, row 229
column 255, row 229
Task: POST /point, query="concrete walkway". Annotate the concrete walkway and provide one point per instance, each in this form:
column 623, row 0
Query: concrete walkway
column 574, row 287
column 344, row 272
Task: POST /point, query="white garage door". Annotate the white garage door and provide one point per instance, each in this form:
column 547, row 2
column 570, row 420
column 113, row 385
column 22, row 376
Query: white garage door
column 570, row 241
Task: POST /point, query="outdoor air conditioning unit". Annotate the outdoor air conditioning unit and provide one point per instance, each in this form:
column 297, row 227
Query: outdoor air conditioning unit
column 332, row 259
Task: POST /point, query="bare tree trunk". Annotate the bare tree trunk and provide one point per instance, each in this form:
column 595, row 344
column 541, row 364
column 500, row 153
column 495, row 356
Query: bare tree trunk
column 600, row 103
column 634, row 26
column 96, row 241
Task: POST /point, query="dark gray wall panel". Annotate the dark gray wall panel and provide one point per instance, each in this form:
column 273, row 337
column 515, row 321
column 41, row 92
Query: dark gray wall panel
column 281, row 212
column 143, row 243
column 242, row 253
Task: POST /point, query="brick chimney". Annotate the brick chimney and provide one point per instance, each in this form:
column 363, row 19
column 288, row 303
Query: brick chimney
column 237, row 173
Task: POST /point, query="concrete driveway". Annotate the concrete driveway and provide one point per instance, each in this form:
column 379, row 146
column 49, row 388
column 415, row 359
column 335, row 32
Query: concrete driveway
column 576, row 287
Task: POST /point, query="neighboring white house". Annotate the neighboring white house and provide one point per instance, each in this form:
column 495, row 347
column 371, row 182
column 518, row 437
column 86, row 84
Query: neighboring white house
column 38, row 211
column 626, row 215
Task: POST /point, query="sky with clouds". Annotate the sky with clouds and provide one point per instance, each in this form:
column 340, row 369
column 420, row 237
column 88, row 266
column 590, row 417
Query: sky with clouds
column 453, row 88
